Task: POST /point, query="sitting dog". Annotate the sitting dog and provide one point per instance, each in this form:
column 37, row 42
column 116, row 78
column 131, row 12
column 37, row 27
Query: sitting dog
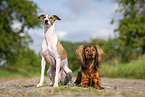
column 90, row 57
column 54, row 53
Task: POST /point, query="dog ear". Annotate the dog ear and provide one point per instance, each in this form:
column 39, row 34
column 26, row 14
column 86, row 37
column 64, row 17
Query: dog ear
column 56, row 17
column 96, row 61
column 41, row 16
column 99, row 56
column 80, row 55
column 84, row 60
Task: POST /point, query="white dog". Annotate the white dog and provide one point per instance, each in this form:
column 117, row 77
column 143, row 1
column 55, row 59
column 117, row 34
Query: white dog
column 55, row 54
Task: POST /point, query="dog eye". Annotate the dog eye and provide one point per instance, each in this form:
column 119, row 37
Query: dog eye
column 51, row 18
column 86, row 50
column 94, row 50
column 44, row 17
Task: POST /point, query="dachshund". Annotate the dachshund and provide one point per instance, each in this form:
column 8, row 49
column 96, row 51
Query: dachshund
column 90, row 56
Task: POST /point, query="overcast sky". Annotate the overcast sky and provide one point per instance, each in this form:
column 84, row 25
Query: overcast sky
column 81, row 20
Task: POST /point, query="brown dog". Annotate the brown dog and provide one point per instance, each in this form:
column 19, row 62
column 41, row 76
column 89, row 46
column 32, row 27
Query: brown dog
column 90, row 57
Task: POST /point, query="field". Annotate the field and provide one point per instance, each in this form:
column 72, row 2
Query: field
column 26, row 87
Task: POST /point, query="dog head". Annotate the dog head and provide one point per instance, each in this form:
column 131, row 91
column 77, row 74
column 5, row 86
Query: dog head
column 48, row 19
column 84, row 52
column 89, row 52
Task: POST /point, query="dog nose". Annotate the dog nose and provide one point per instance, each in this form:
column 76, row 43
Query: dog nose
column 46, row 21
column 90, row 54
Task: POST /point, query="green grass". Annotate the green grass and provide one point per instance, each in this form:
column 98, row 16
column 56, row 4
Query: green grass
column 67, row 91
column 75, row 91
column 7, row 73
column 134, row 69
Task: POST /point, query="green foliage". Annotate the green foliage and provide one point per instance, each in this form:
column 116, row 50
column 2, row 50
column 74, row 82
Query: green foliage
column 113, row 50
column 27, row 64
column 134, row 69
column 132, row 27
column 12, row 12
column 112, row 66
column 70, row 49
column 29, row 61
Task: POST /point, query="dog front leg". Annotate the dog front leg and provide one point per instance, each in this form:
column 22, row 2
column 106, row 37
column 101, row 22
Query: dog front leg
column 43, row 63
column 96, row 80
column 57, row 72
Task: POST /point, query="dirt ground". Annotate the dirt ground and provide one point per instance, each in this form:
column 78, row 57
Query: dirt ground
column 114, row 87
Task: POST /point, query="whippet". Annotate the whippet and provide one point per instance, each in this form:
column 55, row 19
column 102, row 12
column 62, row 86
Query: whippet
column 54, row 53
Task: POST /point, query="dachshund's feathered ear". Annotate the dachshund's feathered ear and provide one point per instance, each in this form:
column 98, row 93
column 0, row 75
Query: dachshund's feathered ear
column 80, row 55
column 99, row 56
column 84, row 60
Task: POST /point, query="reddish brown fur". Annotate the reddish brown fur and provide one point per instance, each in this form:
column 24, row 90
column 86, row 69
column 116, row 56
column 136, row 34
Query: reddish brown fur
column 61, row 51
column 89, row 76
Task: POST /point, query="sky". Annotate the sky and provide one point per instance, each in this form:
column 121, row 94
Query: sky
column 81, row 20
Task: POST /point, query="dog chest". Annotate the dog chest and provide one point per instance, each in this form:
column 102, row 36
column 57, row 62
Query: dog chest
column 47, row 49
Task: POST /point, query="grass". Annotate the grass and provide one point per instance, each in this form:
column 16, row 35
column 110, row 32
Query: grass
column 66, row 91
column 7, row 74
column 75, row 91
column 134, row 69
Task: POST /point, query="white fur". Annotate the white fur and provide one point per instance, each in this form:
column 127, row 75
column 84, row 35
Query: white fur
column 58, row 71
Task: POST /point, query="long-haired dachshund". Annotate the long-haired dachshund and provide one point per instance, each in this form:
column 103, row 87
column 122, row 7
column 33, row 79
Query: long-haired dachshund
column 90, row 57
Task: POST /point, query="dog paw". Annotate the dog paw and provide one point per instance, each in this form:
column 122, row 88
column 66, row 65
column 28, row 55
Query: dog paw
column 55, row 85
column 39, row 85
